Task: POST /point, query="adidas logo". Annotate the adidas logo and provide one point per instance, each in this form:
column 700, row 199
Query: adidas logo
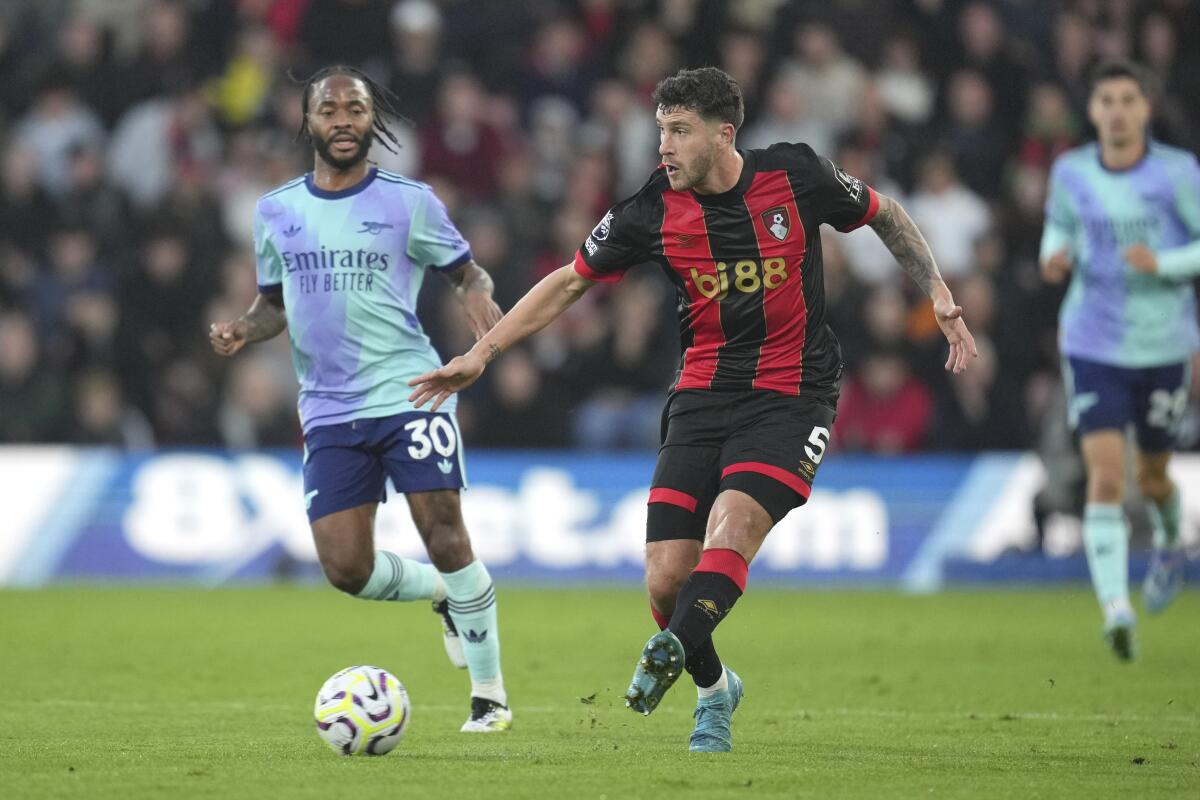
column 445, row 466
column 475, row 638
column 292, row 231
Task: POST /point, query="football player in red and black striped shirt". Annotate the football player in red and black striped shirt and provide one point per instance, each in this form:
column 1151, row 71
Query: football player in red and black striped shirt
column 748, row 418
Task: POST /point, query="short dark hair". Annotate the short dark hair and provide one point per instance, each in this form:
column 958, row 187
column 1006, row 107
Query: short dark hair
column 708, row 91
column 1112, row 68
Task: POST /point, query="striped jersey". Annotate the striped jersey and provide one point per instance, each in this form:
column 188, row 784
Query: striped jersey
column 350, row 264
column 746, row 265
column 1112, row 314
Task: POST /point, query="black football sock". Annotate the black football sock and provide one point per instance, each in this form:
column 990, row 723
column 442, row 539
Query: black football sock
column 704, row 665
column 705, row 599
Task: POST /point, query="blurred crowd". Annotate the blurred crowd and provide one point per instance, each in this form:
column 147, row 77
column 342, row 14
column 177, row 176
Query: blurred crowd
column 137, row 135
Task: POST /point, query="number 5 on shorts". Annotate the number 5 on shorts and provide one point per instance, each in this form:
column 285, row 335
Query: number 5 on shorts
column 818, row 439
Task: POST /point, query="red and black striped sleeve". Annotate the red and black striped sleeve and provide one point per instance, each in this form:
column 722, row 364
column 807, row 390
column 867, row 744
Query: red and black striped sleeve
column 840, row 199
column 618, row 242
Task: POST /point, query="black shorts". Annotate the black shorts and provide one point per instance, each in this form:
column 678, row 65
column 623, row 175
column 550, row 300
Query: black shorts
column 763, row 443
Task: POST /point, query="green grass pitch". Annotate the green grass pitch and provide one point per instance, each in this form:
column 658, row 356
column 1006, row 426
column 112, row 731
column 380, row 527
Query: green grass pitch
column 130, row 693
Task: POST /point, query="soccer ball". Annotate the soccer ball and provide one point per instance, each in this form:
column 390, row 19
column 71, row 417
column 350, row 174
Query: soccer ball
column 362, row 711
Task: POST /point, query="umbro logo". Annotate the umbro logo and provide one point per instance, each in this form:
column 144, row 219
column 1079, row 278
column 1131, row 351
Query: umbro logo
column 445, row 466
column 374, row 227
column 292, row 231
column 709, row 607
column 475, row 638
column 685, row 240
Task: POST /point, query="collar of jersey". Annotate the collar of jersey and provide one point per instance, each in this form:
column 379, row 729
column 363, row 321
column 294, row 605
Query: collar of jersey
column 739, row 189
column 325, row 194
column 1131, row 167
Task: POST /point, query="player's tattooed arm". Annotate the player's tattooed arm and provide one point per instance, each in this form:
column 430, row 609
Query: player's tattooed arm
column 470, row 277
column 902, row 237
column 906, row 243
column 550, row 297
column 474, row 288
column 265, row 319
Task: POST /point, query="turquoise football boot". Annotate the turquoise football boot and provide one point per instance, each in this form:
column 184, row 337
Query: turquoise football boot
column 713, row 716
column 1164, row 579
column 660, row 666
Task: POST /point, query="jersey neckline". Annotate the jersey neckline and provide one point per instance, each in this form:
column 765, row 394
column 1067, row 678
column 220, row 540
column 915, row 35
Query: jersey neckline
column 1141, row 160
column 326, row 194
column 739, row 189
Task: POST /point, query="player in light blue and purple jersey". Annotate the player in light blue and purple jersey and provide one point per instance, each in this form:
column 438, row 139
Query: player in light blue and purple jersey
column 1123, row 219
column 341, row 254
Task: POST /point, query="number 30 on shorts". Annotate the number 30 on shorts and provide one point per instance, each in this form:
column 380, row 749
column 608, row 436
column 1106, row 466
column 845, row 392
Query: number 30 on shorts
column 430, row 435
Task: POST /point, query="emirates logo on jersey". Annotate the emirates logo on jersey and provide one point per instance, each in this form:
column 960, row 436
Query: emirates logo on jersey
column 777, row 222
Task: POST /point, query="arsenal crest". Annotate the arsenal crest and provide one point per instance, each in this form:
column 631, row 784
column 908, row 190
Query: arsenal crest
column 777, row 222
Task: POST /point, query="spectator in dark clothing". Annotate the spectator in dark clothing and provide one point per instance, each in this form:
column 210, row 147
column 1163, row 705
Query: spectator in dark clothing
column 32, row 398
column 986, row 411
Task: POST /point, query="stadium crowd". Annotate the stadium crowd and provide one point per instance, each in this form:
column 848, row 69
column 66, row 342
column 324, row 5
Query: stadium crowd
column 137, row 135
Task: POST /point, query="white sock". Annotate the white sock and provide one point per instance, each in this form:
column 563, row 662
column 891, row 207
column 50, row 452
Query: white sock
column 1118, row 607
column 722, row 685
column 490, row 690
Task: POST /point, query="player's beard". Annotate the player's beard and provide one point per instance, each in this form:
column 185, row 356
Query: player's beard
column 691, row 176
column 325, row 151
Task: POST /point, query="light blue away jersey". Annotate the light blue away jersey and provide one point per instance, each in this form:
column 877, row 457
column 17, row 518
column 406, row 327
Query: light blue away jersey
column 1112, row 314
column 350, row 264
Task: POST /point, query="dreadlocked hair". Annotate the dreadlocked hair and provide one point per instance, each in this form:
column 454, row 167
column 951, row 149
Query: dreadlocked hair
column 383, row 101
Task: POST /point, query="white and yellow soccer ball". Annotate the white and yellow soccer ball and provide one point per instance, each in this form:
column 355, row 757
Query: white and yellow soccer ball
column 362, row 711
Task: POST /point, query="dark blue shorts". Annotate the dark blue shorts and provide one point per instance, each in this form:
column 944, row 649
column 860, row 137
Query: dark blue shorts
column 1104, row 397
column 347, row 464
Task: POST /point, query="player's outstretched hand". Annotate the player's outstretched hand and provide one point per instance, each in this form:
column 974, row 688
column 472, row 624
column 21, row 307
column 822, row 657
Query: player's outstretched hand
column 460, row 373
column 227, row 338
column 962, row 343
column 1057, row 266
column 482, row 313
column 1141, row 258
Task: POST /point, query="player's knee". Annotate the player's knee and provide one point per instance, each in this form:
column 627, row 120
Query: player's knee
column 1154, row 484
column 663, row 588
column 347, row 575
column 1106, row 487
column 449, row 546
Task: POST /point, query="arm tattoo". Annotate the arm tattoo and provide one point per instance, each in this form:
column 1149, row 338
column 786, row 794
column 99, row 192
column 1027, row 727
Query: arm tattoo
column 493, row 353
column 265, row 319
column 902, row 237
column 470, row 277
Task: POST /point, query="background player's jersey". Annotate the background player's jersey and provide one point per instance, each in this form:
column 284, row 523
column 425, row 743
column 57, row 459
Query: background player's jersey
column 746, row 265
column 1112, row 314
column 350, row 264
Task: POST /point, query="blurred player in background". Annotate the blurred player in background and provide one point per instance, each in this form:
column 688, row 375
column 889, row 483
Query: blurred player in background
column 748, row 418
column 1123, row 221
column 341, row 253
